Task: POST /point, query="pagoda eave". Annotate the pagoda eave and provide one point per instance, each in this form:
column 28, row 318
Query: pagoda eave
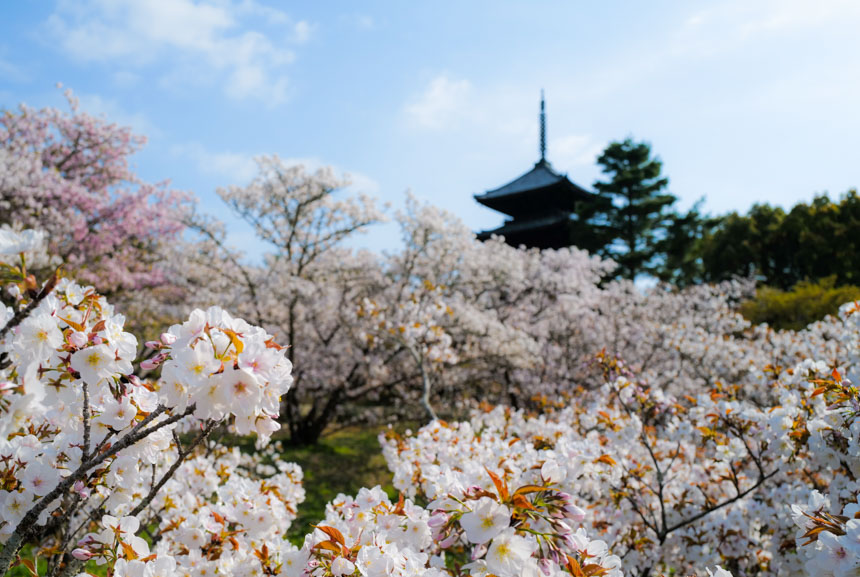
column 562, row 196
column 545, row 232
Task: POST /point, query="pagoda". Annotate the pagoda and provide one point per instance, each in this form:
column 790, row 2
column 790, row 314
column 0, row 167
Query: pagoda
column 542, row 204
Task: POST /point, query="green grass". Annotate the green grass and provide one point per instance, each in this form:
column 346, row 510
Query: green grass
column 341, row 462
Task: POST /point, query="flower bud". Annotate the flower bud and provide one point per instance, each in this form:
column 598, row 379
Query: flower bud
column 81, row 489
column 473, row 490
column 81, row 554
column 167, row 338
column 437, row 519
column 479, row 551
column 148, row 364
column 97, row 340
column 78, row 339
column 152, row 345
column 545, row 566
column 448, row 541
column 574, row 513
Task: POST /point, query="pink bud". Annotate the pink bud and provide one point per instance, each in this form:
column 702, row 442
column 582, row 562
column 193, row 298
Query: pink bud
column 561, row 528
column 78, row 339
column 545, row 566
column 81, row 554
column 437, row 519
column 86, row 541
column 81, row 489
column 154, row 345
column 148, row 364
column 473, row 490
column 134, row 380
column 168, row 339
column 574, row 513
column 448, row 541
column 97, row 340
column 479, row 551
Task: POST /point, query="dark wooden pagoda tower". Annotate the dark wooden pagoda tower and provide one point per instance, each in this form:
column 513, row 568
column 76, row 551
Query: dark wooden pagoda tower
column 541, row 203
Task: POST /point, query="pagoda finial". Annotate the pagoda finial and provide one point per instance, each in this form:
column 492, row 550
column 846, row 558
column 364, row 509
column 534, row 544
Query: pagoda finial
column 542, row 128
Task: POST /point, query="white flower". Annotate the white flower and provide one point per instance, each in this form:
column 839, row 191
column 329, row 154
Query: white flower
column 487, row 519
column 293, row 563
column 509, row 553
column 342, row 566
column 116, row 414
column 94, row 363
column 240, row 391
column 124, row 529
column 13, row 243
column 39, row 478
column 37, row 337
column 14, row 505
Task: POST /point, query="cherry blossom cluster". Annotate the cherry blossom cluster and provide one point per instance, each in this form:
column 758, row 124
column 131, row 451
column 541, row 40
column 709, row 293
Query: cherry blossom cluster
column 68, row 174
column 675, row 483
column 222, row 366
column 223, row 512
column 83, row 438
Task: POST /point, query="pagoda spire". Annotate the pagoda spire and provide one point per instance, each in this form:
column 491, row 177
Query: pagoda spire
column 542, row 128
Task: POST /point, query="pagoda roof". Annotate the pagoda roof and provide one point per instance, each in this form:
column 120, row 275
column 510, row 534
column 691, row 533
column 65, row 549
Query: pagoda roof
column 546, row 231
column 539, row 190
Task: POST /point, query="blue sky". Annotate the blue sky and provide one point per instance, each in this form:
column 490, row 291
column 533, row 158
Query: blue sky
column 744, row 101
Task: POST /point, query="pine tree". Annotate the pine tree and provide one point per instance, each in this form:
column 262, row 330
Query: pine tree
column 630, row 208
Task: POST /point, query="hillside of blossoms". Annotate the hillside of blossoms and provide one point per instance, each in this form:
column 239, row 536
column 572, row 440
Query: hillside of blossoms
column 570, row 423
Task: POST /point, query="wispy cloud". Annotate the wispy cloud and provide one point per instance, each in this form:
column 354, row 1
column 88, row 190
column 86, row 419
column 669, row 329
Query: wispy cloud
column 232, row 167
column 11, row 72
column 239, row 168
column 112, row 111
column 359, row 20
column 216, row 38
column 574, row 150
column 441, row 105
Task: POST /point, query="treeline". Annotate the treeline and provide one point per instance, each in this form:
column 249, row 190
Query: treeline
column 806, row 260
column 812, row 241
column 632, row 220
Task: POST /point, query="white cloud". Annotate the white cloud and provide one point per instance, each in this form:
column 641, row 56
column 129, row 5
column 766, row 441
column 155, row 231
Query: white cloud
column 237, row 168
column 11, row 72
column 359, row 21
column 234, row 168
column 364, row 22
column 126, row 78
column 358, row 182
column 574, row 150
column 213, row 37
column 302, row 32
column 729, row 24
column 441, row 105
column 111, row 111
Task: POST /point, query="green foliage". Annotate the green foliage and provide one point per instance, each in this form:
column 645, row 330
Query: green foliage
column 629, row 212
column 807, row 302
column 812, row 241
column 681, row 247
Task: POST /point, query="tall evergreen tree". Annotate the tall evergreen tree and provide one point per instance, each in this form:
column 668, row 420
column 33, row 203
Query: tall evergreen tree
column 631, row 207
column 681, row 261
